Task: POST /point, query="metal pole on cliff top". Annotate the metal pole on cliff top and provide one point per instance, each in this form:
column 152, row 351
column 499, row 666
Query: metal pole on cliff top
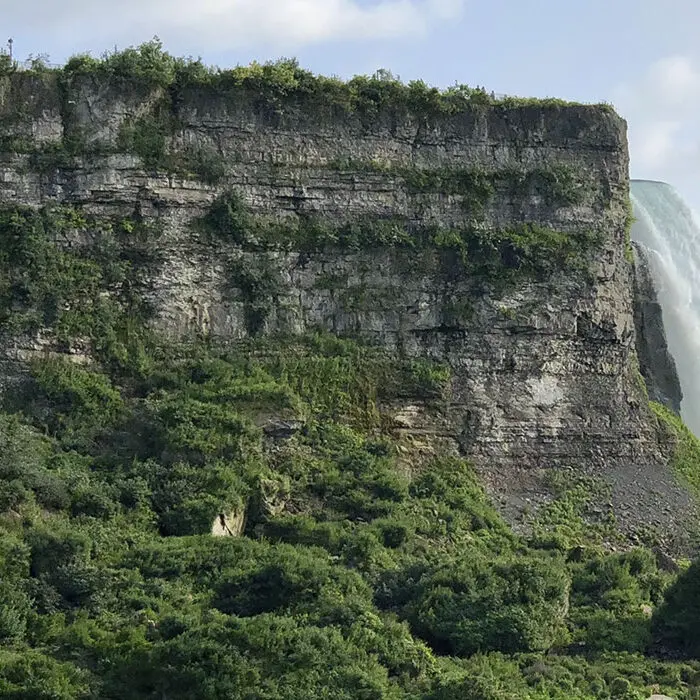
column 10, row 41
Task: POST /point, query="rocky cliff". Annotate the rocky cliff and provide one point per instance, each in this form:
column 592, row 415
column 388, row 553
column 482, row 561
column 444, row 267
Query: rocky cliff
column 491, row 238
column 656, row 362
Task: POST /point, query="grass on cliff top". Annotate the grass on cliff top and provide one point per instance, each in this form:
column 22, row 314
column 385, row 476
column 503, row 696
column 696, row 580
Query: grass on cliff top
column 151, row 65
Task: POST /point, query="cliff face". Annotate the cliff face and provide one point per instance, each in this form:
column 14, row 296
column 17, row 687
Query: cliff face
column 544, row 366
column 656, row 362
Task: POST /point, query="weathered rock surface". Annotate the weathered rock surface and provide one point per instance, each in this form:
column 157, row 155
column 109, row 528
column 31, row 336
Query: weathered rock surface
column 544, row 375
column 655, row 360
column 229, row 524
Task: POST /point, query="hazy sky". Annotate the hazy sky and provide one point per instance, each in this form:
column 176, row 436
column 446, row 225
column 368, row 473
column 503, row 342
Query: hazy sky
column 641, row 55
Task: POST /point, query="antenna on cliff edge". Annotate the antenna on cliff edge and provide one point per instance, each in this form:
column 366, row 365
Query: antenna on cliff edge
column 10, row 41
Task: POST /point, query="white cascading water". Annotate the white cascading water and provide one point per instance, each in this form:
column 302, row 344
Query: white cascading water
column 666, row 227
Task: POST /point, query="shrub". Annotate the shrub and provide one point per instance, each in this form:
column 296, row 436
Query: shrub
column 188, row 498
column 677, row 620
column 79, row 393
column 611, row 596
column 509, row 605
column 147, row 138
column 685, row 459
column 7, row 65
column 197, row 431
column 275, row 655
column 295, row 581
column 33, row 674
column 502, row 256
column 25, row 468
column 148, row 63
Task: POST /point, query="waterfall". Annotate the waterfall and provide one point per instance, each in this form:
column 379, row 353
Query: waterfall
column 666, row 227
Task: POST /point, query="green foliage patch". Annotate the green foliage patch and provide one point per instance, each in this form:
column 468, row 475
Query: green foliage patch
column 558, row 186
column 280, row 80
column 502, row 257
column 474, row 605
column 86, row 293
column 676, row 621
column 150, row 137
column 685, row 460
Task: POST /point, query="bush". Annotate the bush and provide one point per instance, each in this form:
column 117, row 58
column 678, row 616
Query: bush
column 15, row 604
column 147, row 63
column 226, row 657
column 81, row 396
column 603, row 630
column 7, row 65
column 228, row 216
column 611, row 600
column 186, row 498
column 32, row 675
column 509, row 605
column 677, row 620
column 504, row 257
column 197, row 431
column 294, row 581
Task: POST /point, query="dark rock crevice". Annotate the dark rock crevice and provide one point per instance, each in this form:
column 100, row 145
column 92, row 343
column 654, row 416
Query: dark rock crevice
column 656, row 364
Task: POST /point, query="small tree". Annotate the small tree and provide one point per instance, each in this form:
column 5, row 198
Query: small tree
column 7, row 65
column 508, row 605
column 677, row 621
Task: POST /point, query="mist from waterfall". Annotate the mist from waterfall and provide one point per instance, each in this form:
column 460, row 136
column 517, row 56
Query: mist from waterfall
column 668, row 230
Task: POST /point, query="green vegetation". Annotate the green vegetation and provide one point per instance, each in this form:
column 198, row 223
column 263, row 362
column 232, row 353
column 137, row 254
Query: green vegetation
column 526, row 251
column 575, row 517
column 230, row 219
column 7, row 66
column 557, row 186
column 89, row 293
column 676, row 621
column 151, row 66
column 149, row 138
column 686, row 455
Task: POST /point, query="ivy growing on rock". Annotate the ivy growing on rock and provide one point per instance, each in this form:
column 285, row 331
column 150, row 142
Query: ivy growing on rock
column 502, row 257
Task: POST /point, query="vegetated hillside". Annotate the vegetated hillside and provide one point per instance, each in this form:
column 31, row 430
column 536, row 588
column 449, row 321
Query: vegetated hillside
column 188, row 518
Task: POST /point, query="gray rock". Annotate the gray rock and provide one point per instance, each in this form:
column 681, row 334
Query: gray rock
column 282, row 429
column 655, row 360
column 229, row 524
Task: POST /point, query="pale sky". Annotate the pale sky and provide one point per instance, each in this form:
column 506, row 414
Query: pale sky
column 643, row 56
